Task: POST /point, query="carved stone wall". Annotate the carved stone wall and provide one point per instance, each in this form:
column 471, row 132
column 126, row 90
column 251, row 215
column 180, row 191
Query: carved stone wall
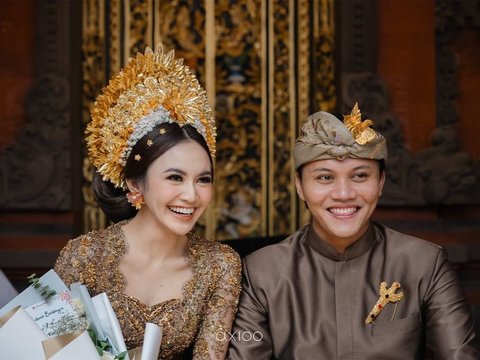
column 40, row 168
column 35, row 170
column 422, row 178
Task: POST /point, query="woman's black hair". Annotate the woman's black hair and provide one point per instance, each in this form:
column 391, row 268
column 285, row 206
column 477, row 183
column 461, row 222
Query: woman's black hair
column 112, row 200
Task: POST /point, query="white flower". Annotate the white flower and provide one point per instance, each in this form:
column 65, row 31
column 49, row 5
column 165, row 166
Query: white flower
column 107, row 356
column 78, row 307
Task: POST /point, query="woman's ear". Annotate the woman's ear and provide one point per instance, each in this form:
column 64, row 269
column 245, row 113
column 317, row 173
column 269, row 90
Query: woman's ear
column 133, row 185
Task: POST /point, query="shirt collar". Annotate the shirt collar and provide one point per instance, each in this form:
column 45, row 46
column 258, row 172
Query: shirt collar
column 358, row 248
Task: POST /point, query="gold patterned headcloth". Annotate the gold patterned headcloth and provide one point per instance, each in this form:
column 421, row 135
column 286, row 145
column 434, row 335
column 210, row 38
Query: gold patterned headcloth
column 323, row 136
column 152, row 89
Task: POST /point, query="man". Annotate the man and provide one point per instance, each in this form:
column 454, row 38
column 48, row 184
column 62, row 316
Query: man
column 344, row 287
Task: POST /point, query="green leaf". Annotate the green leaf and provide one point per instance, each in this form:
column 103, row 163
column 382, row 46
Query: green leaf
column 44, row 290
column 121, row 356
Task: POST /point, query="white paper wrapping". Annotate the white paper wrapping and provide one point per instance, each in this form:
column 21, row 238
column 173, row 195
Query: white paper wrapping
column 109, row 322
column 151, row 342
column 70, row 347
column 20, row 337
column 31, row 296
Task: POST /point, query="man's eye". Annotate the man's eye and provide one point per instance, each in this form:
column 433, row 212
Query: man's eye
column 360, row 176
column 175, row 178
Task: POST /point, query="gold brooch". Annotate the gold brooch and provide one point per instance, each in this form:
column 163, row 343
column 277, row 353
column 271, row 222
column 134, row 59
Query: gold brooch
column 162, row 131
column 360, row 130
column 138, row 157
column 386, row 296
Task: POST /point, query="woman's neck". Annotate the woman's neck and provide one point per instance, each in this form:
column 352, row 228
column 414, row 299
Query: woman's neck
column 147, row 238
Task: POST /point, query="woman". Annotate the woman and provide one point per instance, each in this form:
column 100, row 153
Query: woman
column 151, row 139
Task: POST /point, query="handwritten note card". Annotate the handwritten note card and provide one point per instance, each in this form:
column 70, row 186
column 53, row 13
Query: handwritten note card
column 57, row 315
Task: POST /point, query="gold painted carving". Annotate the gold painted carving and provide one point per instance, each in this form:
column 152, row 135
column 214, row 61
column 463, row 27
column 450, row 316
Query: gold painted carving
column 324, row 40
column 303, row 60
column 93, row 80
column 239, row 118
column 138, row 31
column 114, row 45
column 260, row 93
column 281, row 135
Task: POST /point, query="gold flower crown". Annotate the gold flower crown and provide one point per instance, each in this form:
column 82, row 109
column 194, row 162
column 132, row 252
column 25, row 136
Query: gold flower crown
column 151, row 89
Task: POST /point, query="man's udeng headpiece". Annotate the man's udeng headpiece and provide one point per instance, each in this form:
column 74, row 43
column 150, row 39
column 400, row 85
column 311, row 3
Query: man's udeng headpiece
column 151, row 89
column 323, row 136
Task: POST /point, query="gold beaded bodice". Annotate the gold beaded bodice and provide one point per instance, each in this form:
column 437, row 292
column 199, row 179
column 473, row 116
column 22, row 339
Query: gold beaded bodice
column 202, row 316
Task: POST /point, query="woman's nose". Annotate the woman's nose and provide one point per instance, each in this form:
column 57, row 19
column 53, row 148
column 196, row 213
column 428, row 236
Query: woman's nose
column 189, row 192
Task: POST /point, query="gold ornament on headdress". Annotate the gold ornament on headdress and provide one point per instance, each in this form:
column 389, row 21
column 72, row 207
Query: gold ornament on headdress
column 151, row 89
column 359, row 129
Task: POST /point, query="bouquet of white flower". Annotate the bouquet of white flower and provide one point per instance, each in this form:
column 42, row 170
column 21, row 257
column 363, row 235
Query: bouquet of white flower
column 62, row 324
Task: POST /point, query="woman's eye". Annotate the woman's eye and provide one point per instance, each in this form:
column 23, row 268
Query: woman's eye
column 325, row 177
column 205, row 180
column 175, row 178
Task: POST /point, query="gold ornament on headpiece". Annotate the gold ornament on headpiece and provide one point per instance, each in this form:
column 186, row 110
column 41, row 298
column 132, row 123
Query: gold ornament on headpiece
column 151, row 89
column 360, row 130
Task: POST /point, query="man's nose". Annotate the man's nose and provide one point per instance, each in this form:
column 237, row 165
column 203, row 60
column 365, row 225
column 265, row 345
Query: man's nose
column 343, row 190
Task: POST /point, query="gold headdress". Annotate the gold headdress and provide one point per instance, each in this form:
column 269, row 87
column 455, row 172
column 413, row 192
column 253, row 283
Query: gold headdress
column 323, row 136
column 151, row 89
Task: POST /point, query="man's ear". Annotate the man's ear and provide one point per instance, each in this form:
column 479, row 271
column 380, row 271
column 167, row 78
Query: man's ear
column 382, row 182
column 298, row 185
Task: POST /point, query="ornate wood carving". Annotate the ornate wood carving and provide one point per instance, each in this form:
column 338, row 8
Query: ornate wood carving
column 281, row 130
column 94, row 78
column 258, row 90
column 459, row 182
column 239, row 118
column 422, row 178
column 323, row 62
column 35, row 171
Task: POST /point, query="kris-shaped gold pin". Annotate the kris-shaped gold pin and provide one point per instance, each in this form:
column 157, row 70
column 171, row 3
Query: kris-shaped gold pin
column 386, row 296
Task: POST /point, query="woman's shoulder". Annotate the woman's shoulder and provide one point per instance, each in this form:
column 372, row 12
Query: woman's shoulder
column 87, row 254
column 214, row 251
column 86, row 244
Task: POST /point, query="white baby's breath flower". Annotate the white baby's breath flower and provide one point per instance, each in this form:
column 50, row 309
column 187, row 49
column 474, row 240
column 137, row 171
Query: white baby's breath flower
column 107, row 356
column 78, row 306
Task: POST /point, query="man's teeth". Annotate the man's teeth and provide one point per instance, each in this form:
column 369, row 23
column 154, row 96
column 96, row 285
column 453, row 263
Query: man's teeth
column 343, row 211
column 182, row 210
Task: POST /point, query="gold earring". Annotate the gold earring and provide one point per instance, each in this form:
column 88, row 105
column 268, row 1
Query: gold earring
column 136, row 199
